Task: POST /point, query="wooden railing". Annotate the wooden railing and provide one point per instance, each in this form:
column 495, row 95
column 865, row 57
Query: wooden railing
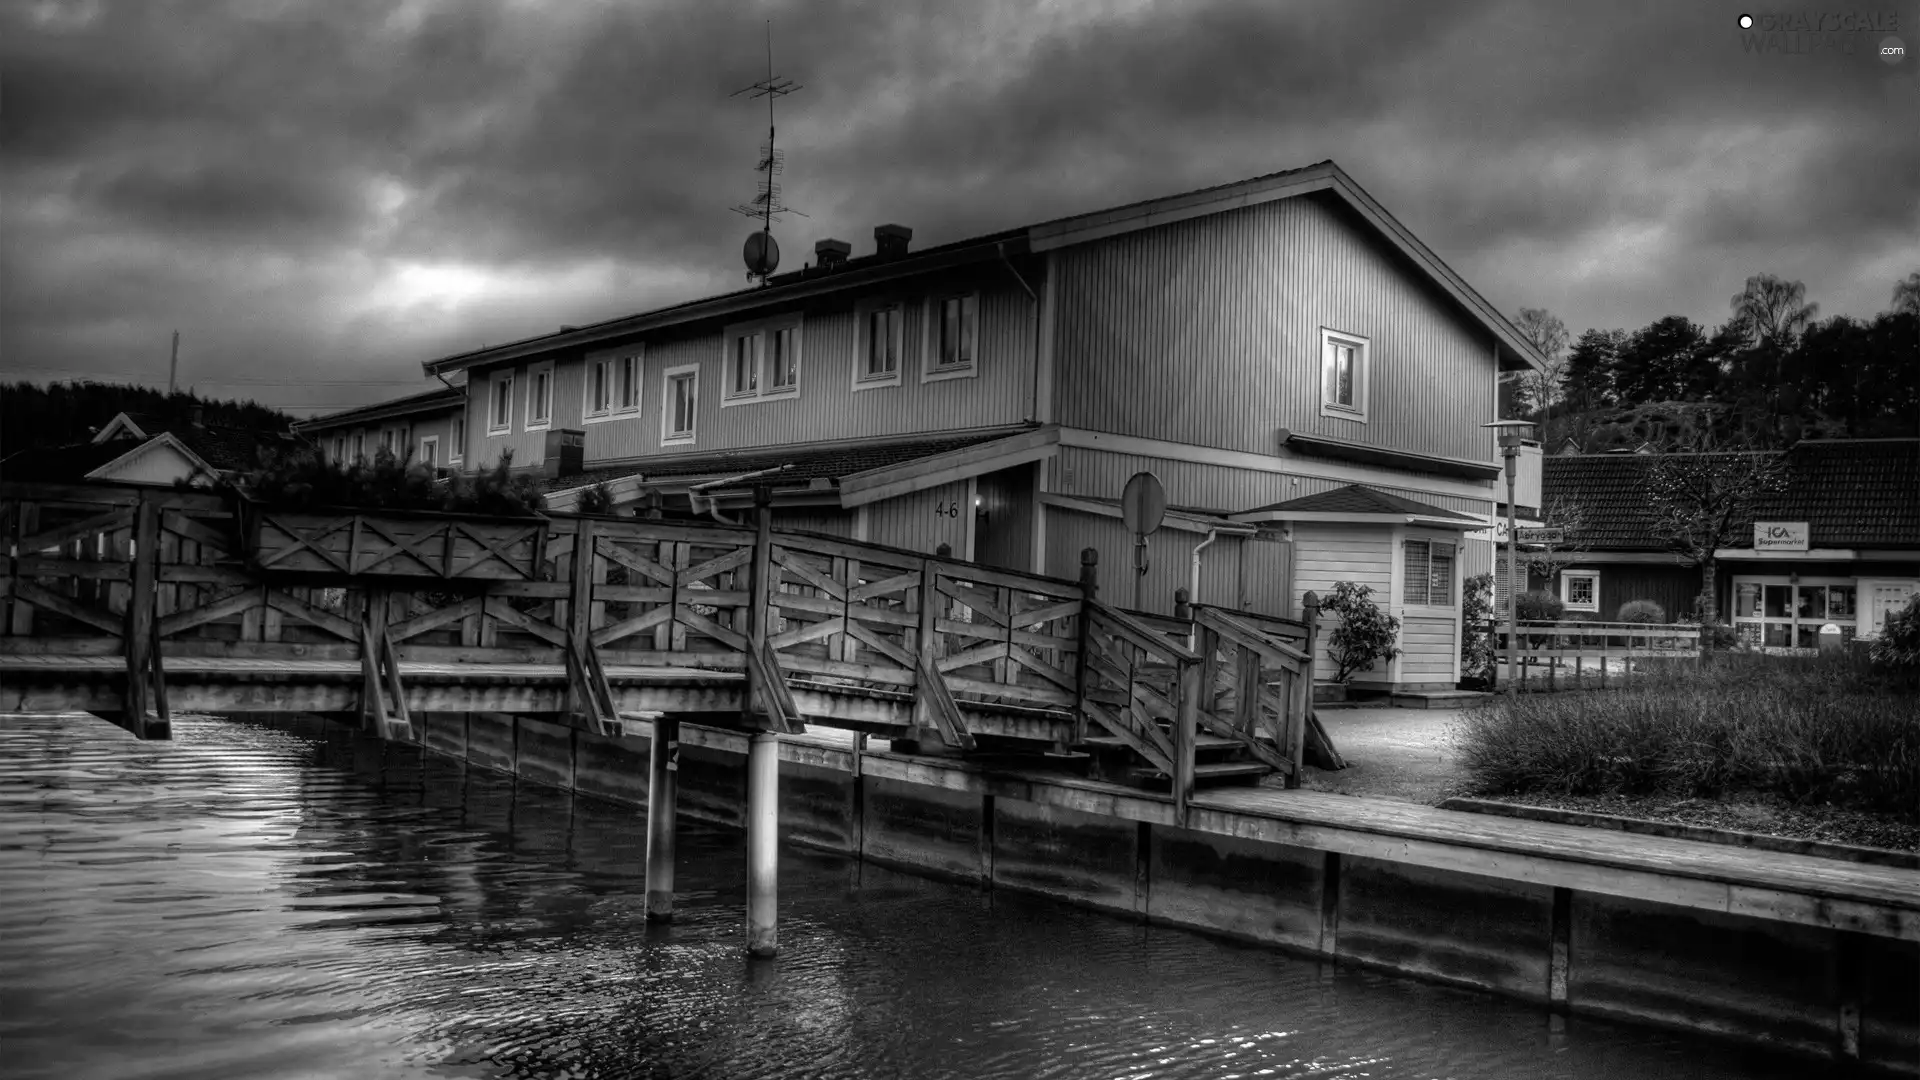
column 1582, row 652
column 112, row 571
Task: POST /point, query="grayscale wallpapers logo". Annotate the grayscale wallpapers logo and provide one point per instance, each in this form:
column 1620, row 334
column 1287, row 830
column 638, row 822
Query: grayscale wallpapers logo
column 1799, row 33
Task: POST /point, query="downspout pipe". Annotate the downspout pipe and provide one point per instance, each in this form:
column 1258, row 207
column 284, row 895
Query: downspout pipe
column 1193, row 583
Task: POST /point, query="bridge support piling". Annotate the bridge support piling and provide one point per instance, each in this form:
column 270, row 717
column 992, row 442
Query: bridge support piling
column 663, row 782
column 763, row 843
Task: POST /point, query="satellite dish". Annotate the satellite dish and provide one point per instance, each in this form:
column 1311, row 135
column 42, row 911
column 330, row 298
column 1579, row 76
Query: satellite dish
column 761, row 253
column 1143, row 504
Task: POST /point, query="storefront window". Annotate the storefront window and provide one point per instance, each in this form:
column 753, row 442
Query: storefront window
column 1778, row 597
column 1813, row 602
column 1747, row 600
column 1840, row 602
column 1786, row 614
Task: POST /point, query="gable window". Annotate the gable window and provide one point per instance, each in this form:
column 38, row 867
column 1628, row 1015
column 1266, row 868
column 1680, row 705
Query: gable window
column 1580, row 590
column 540, row 397
column 954, row 336
column 455, row 450
column 1428, row 577
column 763, row 361
column 1343, row 375
column 430, row 451
column 680, row 404
column 500, row 406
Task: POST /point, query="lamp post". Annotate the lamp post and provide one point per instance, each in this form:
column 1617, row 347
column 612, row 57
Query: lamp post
column 1511, row 433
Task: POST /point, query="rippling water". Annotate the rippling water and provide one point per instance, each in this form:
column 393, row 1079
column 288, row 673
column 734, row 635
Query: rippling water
column 258, row 903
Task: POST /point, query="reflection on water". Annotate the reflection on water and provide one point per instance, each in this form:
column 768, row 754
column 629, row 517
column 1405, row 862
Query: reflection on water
column 257, row 903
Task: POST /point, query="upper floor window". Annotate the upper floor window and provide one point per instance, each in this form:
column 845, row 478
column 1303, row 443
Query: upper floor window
column 1343, row 366
column 359, row 446
column 1428, row 580
column 878, row 360
column 455, row 449
column 763, row 361
column 339, row 448
column 680, row 404
column 540, row 397
column 500, row 405
column 612, row 387
column 430, row 451
column 955, row 334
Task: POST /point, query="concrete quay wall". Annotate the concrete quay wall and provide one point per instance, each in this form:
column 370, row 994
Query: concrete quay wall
column 1818, row 991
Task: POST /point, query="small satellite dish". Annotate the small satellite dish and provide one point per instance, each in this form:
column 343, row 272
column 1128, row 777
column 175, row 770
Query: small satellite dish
column 762, row 254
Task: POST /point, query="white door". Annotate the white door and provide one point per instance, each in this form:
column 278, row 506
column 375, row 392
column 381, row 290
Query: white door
column 1887, row 597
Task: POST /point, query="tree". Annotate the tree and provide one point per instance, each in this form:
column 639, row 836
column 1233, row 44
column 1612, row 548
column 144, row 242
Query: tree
column 1570, row 517
column 1701, row 502
column 1541, row 390
column 1906, row 295
column 1773, row 311
column 1590, row 368
column 1666, row 360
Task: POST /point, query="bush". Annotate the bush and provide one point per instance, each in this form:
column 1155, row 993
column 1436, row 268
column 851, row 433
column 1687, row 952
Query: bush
column 1825, row 728
column 1718, row 637
column 1641, row 611
column 1365, row 634
column 1538, row 605
column 597, row 500
column 1477, row 651
column 389, row 482
column 1899, row 642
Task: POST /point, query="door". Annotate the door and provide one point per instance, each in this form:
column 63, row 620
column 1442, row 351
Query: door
column 1887, row 597
column 1266, row 575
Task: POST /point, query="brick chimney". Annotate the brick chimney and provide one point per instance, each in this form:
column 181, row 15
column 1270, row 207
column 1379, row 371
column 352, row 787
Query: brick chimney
column 832, row 253
column 566, row 453
column 890, row 241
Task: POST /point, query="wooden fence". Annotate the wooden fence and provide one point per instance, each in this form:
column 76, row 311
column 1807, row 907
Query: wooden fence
column 1580, row 654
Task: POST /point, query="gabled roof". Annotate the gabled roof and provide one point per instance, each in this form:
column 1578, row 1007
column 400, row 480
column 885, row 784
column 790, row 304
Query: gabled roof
column 1515, row 352
column 94, row 460
column 218, row 445
column 1359, row 503
column 1851, row 492
column 438, row 399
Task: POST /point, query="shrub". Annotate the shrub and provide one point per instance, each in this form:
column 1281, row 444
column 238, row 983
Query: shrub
column 1825, row 728
column 1899, row 642
column 597, row 500
column 1477, row 651
column 388, row 482
column 1718, row 636
column 1641, row 611
column 1538, row 605
column 1365, row 634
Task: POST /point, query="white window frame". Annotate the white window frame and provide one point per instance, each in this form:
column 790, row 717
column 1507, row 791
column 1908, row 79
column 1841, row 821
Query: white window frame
column 631, row 372
column 761, row 333
column 339, row 448
column 360, row 446
column 1566, row 589
column 1362, row 374
column 600, row 371
column 1453, row 580
column 623, row 382
column 434, row 462
column 931, row 369
column 863, row 314
column 669, row 437
column 533, row 383
column 457, row 438
column 501, row 383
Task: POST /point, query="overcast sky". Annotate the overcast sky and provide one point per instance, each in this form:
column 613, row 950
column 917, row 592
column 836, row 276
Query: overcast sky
column 320, row 194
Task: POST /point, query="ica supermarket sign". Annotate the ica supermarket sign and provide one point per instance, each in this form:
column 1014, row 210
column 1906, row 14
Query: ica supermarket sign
column 1779, row 536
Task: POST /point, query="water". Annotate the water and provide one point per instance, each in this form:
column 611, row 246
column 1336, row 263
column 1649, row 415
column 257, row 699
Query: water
column 255, row 903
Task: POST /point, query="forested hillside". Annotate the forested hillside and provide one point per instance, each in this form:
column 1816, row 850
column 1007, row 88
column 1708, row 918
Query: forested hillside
column 1773, row 373
column 63, row 413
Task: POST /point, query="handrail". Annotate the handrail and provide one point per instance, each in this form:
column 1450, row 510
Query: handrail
column 1141, row 635
column 1249, row 638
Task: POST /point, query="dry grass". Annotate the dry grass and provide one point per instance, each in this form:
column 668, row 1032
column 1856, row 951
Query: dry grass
column 1821, row 729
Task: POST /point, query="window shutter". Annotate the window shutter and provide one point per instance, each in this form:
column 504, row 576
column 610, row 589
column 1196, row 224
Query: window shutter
column 1415, row 589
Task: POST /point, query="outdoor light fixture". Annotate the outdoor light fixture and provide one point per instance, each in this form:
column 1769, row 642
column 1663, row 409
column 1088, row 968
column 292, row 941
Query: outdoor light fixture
column 1512, row 434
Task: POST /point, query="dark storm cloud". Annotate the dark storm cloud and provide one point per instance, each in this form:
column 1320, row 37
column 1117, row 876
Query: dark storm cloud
column 349, row 186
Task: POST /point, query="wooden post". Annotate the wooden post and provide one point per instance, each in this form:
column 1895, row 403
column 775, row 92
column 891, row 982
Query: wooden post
column 580, row 614
column 370, row 710
column 1090, row 572
column 944, row 551
column 1089, row 592
column 140, row 638
column 760, row 590
column 663, row 786
column 1186, row 727
column 930, row 607
column 1182, row 604
column 763, row 843
column 1302, row 704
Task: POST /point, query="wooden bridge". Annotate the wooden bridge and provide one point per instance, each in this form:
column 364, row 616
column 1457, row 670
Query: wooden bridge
column 132, row 602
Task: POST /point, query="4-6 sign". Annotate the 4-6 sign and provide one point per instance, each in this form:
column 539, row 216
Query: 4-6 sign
column 1541, row 536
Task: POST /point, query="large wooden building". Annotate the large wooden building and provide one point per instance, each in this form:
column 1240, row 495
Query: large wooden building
column 428, row 428
column 1305, row 377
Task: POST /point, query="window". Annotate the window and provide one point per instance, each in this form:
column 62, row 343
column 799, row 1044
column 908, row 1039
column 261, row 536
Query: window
column 500, row 408
column 680, row 404
column 359, row 446
column 430, row 451
column 1428, row 577
column 783, row 363
column 955, row 334
column 1782, row 613
column 763, row 362
column 745, row 380
column 613, row 388
column 599, row 389
column 540, row 397
column 1580, row 590
column 339, row 448
column 629, row 383
column 456, row 450
column 1343, row 359
column 878, row 362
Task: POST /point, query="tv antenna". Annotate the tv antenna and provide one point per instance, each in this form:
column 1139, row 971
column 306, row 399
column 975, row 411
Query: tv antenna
column 762, row 255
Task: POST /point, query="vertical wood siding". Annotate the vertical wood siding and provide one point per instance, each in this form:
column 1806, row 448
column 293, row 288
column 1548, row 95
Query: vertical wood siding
column 910, row 521
column 1169, row 560
column 824, row 519
column 828, row 408
column 1207, row 331
column 1104, row 474
column 1004, row 536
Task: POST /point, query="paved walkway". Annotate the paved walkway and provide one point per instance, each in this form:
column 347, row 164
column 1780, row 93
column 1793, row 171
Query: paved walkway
column 1391, row 753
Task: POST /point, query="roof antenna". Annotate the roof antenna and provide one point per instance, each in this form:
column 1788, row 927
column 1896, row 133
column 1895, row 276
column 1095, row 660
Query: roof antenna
column 761, row 253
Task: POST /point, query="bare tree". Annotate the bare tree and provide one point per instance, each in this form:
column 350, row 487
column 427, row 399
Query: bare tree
column 1543, row 389
column 1906, row 295
column 1703, row 502
column 1571, row 518
column 1772, row 311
